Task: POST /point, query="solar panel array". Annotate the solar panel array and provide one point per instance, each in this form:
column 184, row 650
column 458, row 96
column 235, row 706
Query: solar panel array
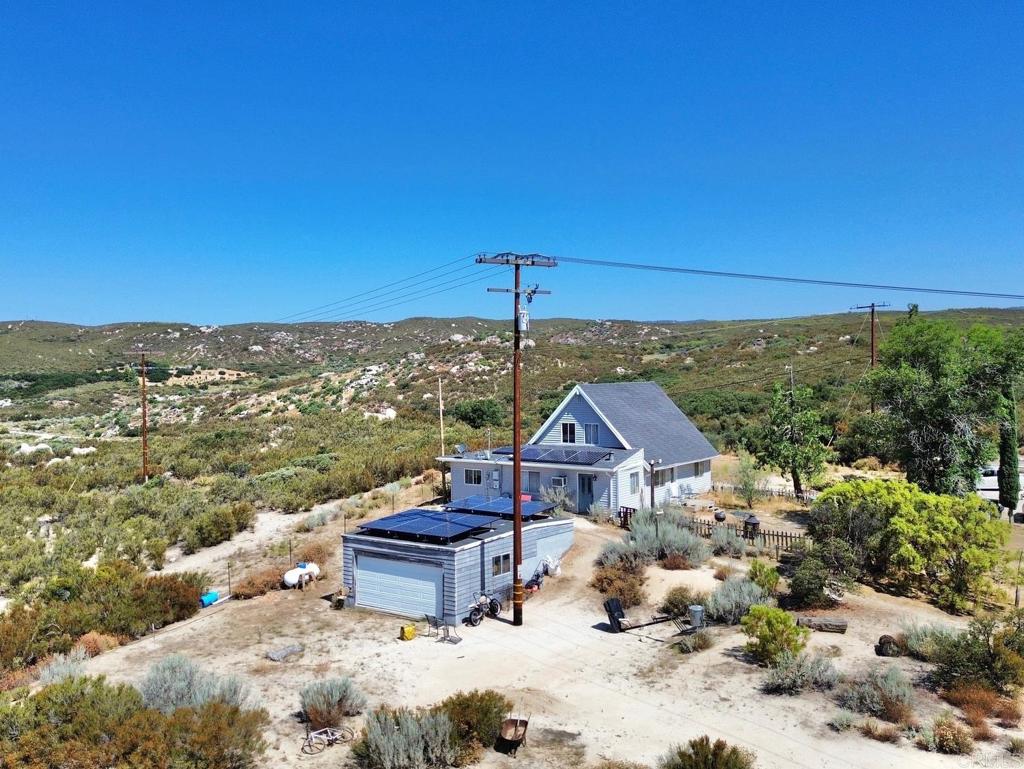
column 439, row 525
column 559, row 455
column 498, row 506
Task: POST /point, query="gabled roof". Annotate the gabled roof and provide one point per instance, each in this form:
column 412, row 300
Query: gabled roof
column 647, row 418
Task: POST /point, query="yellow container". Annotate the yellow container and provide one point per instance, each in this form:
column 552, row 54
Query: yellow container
column 407, row 633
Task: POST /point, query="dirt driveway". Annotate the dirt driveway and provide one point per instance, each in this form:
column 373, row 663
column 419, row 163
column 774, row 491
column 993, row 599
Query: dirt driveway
column 591, row 694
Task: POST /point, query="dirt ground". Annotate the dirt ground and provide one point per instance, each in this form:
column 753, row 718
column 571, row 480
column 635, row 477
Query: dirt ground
column 590, row 694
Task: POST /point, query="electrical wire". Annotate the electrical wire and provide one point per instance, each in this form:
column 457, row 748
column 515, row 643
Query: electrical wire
column 784, row 279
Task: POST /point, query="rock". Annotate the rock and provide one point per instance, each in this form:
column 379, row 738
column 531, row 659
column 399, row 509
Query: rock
column 887, row 646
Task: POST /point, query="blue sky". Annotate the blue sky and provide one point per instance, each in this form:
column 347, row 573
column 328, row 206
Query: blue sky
column 227, row 162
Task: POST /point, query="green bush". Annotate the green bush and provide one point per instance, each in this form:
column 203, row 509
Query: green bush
column 406, row 739
column 702, row 753
column 618, row 582
column 796, row 673
column 61, row 666
column 764, row 576
column 989, row 652
column 733, row 599
column 325, row 703
column 177, row 682
column 925, row 642
column 949, row 736
column 727, row 542
column 886, row 694
column 695, row 642
column 476, row 718
column 678, row 600
column 772, row 633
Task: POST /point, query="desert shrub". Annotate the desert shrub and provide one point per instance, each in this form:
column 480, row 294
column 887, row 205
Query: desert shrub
column 924, row 642
column 678, row 600
column 873, row 730
column 258, row 582
column 949, row 736
column 1008, row 713
column 977, row 697
column 405, row 739
column 772, row 632
column 675, row 562
column 61, row 666
column 725, row 571
column 325, row 703
column 618, row 582
column 842, row 721
column 657, row 538
column 1016, row 746
column 702, row 753
column 725, row 541
column 312, row 521
column 733, row 599
column 700, row 641
column 177, row 682
column 796, row 673
column 95, row 643
column 886, row 694
column 623, row 555
column 764, row 576
column 867, row 463
column 315, row 551
column 990, row 652
column 476, row 718
column 808, row 584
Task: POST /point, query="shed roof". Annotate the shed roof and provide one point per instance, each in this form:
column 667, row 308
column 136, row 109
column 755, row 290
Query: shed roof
column 647, row 418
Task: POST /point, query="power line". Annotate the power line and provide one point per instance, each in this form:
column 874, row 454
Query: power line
column 785, row 279
column 370, row 291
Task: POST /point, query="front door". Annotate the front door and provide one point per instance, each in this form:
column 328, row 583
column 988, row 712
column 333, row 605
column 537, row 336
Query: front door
column 585, row 498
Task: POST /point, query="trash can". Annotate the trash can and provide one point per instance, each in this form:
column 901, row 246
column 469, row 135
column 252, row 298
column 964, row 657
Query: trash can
column 696, row 616
column 751, row 527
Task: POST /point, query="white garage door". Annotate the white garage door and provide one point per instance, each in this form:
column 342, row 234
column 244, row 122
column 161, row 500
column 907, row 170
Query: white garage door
column 401, row 587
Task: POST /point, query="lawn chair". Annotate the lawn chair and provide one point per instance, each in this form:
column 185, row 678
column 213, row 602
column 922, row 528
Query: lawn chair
column 448, row 632
column 433, row 626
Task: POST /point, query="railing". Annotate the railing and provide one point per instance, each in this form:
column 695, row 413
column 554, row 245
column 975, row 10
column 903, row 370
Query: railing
column 782, row 541
column 807, row 496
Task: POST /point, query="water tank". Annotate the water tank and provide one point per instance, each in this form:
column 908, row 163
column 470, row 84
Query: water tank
column 303, row 572
column 696, row 616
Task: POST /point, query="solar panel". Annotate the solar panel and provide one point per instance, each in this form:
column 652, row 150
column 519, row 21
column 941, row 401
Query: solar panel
column 499, row 506
column 559, row 455
column 429, row 524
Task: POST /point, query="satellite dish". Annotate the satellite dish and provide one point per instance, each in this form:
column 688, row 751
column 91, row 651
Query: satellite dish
column 461, row 448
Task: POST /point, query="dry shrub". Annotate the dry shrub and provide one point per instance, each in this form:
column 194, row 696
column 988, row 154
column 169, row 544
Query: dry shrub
column 15, row 679
column 675, row 562
column 977, row 697
column 618, row 582
column 327, row 701
column 723, row 573
column 951, row 737
column 874, row 730
column 316, row 551
column 983, row 732
column 1008, row 713
column 96, row 643
column 258, row 582
column 1015, row 746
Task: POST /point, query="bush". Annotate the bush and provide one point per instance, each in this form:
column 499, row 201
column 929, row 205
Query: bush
column 316, row 551
column 842, row 721
column 772, row 632
column 257, row 583
column 476, row 718
column 796, row 673
column 924, row 642
column 989, row 653
column 61, row 666
column 678, row 600
column 1008, row 713
column 325, row 703
column 675, row 562
column 722, row 573
column 764, row 576
column 725, row 541
column 880, row 732
column 966, row 695
column 177, row 682
column 95, row 643
column 951, row 737
column 622, row 583
column 809, row 582
column 404, row 739
column 312, row 521
column 887, row 695
column 695, row 642
column 1015, row 746
column 702, row 753
column 733, row 599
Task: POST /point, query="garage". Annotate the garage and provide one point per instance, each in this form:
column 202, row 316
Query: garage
column 410, row 588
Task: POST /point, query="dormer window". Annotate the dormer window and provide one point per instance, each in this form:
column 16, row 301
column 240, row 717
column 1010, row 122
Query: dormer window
column 591, row 434
column 568, row 432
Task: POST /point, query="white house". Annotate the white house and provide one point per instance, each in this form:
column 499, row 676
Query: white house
column 600, row 445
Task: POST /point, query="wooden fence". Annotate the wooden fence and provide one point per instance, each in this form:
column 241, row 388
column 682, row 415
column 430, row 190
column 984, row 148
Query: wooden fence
column 807, row 496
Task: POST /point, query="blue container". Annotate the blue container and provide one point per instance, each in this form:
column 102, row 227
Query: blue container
column 208, row 599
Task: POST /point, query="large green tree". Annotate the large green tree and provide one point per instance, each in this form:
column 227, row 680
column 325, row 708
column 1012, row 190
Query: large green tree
column 793, row 436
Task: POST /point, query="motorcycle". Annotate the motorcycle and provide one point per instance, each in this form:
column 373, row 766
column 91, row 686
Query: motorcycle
column 483, row 604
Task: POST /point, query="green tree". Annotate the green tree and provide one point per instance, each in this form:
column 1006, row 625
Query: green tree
column 478, row 413
column 793, row 436
column 1008, row 476
column 773, row 632
column 749, row 478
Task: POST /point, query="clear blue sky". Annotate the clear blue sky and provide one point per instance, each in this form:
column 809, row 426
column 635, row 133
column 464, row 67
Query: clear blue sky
column 225, row 162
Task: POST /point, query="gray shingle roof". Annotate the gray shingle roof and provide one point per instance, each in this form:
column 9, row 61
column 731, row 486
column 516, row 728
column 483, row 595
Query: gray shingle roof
column 647, row 418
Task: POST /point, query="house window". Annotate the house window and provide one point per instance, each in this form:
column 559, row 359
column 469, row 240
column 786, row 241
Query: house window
column 531, row 482
column 474, row 477
column 634, row 483
column 568, row 432
column 696, row 468
column 501, row 564
column 661, row 477
column 591, row 432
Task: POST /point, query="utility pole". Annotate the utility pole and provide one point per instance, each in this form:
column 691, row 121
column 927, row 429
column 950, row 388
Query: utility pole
column 440, row 415
column 874, row 345
column 145, row 411
column 517, row 261
column 653, row 464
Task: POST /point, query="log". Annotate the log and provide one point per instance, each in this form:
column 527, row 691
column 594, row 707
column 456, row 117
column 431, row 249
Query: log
column 823, row 624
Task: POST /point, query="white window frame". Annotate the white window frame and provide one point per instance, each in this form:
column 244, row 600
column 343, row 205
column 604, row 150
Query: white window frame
column 568, row 432
column 501, row 564
column 663, row 477
column 592, row 433
column 531, row 488
column 473, row 472
column 634, row 482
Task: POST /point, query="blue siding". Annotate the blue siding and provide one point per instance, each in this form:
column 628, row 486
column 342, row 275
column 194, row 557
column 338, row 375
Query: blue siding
column 579, row 412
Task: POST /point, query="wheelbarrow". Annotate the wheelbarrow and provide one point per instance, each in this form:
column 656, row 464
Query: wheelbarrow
column 512, row 734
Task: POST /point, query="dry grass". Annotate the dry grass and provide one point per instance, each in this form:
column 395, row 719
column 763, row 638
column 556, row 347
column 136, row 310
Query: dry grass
column 1008, row 713
column 96, row 643
column 723, row 573
column 980, row 699
column 259, row 582
column 675, row 562
column 318, row 551
column 880, row 732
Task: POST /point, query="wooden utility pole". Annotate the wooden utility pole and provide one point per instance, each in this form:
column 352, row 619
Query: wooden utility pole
column 145, row 411
column 440, row 416
column 874, row 344
column 517, row 261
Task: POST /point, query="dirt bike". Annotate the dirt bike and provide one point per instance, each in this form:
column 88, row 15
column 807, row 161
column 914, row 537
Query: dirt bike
column 484, row 604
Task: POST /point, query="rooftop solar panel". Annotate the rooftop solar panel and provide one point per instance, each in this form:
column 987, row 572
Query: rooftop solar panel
column 559, row 455
column 440, row 525
column 498, row 505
